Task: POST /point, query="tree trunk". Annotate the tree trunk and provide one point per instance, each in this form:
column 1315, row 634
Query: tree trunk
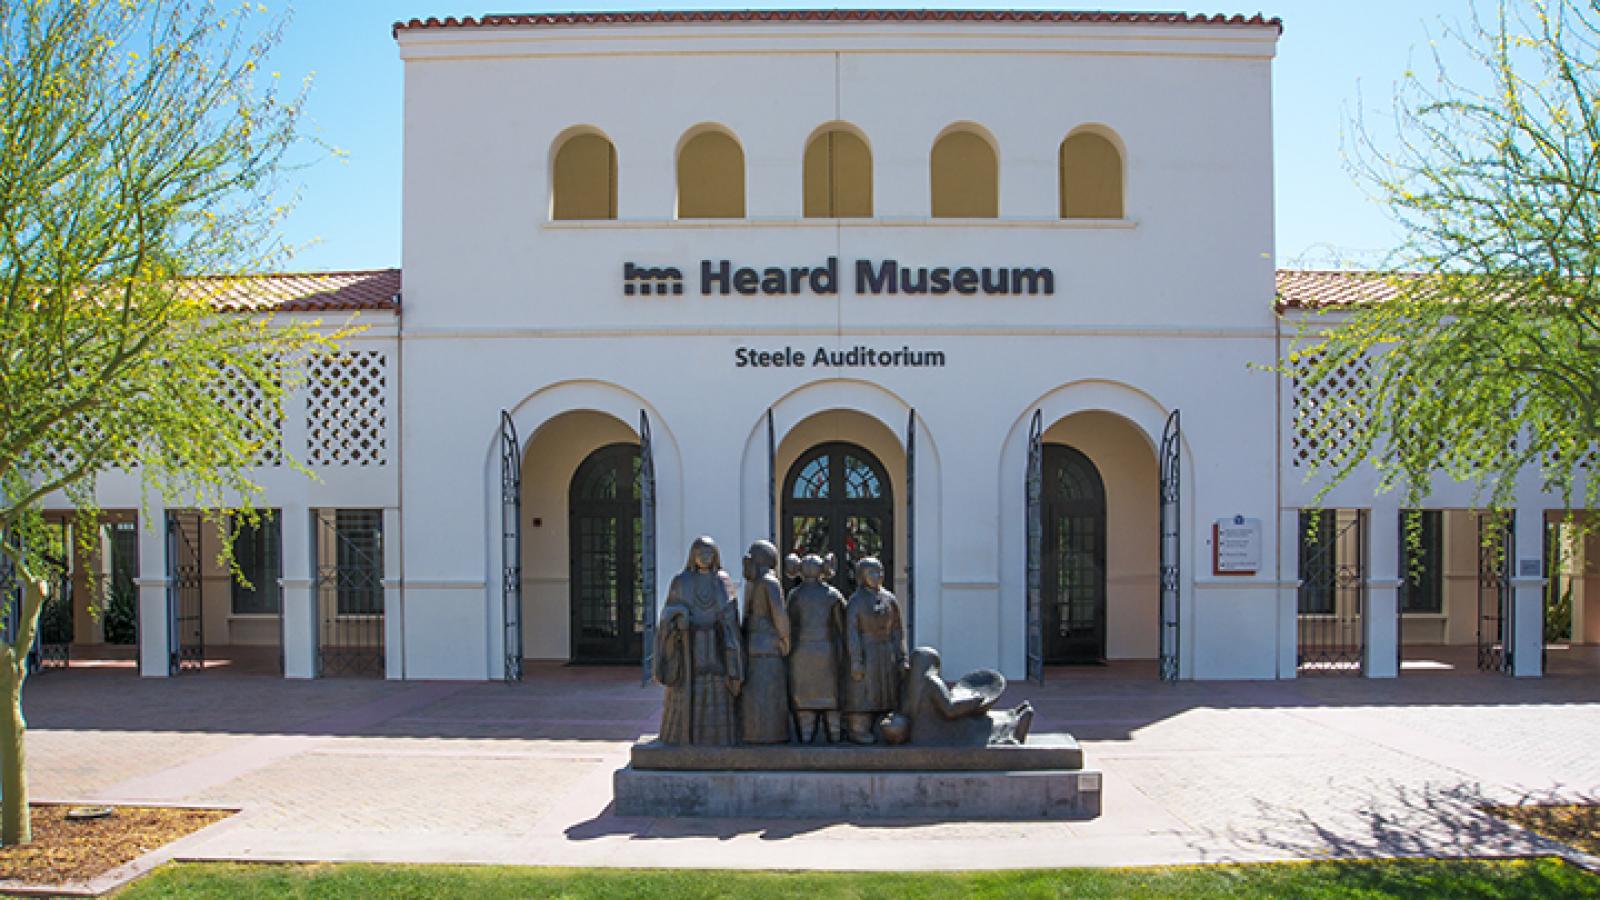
column 15, row 825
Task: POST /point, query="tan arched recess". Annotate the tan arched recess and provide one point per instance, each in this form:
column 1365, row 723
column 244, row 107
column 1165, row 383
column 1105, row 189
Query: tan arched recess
column 965, row 175
column 838, row 176
column 711, row 177
column 1091, row 177
column 584, row 179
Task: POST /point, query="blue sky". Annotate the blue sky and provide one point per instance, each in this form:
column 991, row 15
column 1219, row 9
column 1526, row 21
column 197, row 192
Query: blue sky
column 1334, row 55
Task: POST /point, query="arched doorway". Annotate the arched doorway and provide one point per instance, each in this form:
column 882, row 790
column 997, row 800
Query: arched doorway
column 837, row 499
column 605, row 537
column 1073, row 568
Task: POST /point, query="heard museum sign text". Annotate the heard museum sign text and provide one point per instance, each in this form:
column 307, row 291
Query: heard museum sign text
column 869, row 276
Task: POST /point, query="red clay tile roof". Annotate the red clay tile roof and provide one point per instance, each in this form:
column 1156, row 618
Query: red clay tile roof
column 374, row 289
column 837, row 15
column 1324, row 288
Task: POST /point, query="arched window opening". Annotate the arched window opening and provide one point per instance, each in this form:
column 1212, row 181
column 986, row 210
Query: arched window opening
column 711, row 177
column 966, row 177
column 1091, row 177
column 837, row 499
column 584, row 180
column 838, row 176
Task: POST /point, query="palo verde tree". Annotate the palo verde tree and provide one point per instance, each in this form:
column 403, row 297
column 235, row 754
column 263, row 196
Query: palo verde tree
column 140, row 147
column 1484, row 361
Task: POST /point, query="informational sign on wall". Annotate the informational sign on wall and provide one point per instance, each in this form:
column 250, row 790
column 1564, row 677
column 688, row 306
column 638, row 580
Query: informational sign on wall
column 1236, row 546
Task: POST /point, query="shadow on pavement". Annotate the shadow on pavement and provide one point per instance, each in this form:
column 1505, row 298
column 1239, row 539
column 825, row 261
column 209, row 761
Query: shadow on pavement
column 556, row 702
column 1396, row 820
column 608, row 824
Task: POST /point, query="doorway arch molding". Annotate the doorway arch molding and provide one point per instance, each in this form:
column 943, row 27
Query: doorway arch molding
column 531, row 414
column 1147, row 417
column 887, row 409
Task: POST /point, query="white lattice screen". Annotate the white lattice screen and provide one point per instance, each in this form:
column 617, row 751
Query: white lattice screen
column 59, row 458
column 246, row 398
column 1324, row 413
column 1587, row 462
column 347, row 422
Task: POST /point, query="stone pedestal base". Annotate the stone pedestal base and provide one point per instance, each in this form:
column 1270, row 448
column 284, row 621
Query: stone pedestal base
column 858, row 795
column 1038, row 780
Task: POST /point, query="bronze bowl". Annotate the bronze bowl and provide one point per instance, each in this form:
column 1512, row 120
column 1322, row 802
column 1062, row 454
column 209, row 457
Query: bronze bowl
column 896, row 728
column 986, row 684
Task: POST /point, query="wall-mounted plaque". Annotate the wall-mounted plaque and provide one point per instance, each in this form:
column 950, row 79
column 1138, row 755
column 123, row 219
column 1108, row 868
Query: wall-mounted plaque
column 1236, row 546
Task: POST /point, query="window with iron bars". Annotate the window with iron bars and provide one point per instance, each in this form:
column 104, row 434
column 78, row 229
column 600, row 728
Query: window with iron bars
column 1421, row 561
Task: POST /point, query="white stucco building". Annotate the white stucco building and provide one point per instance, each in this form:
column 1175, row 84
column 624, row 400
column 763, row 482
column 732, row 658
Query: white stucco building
column 818, row 277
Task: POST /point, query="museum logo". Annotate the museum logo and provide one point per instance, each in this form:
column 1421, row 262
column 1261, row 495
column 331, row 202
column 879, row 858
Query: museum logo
column 645, row 280
column 867, row 276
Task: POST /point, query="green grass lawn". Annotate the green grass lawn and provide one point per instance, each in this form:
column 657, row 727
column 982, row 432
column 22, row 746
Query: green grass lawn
column 1405, row 878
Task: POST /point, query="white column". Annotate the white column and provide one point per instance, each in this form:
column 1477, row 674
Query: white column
column 299, row 594
column 1527, row 591
column 1380, row 619
column 394, row 614
column 155, row 638
column 1289, row 537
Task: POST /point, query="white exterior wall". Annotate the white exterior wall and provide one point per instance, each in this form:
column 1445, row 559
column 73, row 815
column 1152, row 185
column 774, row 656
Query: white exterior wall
column 1162, row 310
column 284, row 487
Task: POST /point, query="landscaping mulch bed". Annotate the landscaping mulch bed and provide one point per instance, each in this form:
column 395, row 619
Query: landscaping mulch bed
column 1576, row 826
column 63, row 851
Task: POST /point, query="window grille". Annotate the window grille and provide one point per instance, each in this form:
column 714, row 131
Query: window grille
column 256, row 551
column 1421, row 561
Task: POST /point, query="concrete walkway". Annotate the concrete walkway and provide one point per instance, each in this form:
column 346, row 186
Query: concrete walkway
column 496, row 773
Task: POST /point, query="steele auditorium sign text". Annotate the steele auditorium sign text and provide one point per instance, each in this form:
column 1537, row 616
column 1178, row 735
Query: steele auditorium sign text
column 868, row 277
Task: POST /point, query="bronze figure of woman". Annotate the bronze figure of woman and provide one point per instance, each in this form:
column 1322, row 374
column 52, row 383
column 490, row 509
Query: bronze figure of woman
column 698, row 656
column 875, row 645
column 816, row 626
column 764, row 701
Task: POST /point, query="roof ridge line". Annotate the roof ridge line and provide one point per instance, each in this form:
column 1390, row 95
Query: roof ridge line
column 695, row 16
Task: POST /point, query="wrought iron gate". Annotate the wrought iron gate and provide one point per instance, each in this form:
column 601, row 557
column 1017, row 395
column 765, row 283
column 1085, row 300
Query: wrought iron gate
column 1496, row 623
column 52, row 648
column 1333, row 592
column 348, row 552
column 772, row 482
column 908, row 590
column 185, row 606
column 1556, row 606
column 647, row 544
column 1171, row 549
column 511, row 544
column 1035, row 538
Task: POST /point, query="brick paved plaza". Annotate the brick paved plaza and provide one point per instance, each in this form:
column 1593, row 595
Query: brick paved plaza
column 397, row 771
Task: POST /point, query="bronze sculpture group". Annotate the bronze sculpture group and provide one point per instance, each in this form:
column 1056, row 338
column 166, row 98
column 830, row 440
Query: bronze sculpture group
column 808, row 666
